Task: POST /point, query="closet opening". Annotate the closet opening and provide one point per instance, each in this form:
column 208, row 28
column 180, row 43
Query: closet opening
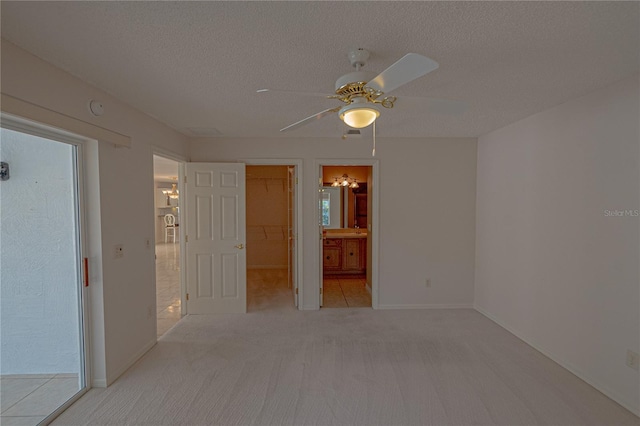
column 271, row 237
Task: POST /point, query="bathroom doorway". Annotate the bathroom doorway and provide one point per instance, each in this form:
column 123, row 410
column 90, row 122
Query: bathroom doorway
column 346, row 220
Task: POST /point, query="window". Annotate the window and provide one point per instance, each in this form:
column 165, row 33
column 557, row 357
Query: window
column 325, row 208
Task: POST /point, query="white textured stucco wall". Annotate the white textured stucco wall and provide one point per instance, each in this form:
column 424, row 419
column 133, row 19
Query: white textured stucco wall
column 38, row 273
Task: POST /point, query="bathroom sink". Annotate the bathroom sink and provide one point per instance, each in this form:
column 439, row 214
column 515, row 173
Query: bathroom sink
column 346, row 233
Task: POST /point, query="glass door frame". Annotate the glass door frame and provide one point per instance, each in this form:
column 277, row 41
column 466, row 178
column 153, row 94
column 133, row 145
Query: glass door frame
column 78, row 143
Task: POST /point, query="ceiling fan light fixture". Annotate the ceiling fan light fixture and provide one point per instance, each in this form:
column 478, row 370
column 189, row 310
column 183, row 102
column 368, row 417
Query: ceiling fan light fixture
column 358, row 116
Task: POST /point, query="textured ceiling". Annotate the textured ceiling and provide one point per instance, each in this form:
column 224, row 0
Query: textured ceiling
column 197, row 65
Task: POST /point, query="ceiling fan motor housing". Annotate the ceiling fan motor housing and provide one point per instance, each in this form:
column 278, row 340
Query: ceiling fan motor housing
column 354, row 77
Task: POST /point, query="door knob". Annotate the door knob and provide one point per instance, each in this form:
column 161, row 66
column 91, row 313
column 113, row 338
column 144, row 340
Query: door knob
column 240, row 246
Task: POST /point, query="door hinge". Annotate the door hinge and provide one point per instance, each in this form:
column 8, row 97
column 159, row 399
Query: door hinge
column 187, row 296
column 296, row 181
column 185, row 179
column 320, row 290
column 186, row 238
column 296, row 290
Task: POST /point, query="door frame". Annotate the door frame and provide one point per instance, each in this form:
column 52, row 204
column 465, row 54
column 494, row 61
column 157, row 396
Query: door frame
column 297, row 194
column 160, row 152
column 86, row 238
column 374, row 192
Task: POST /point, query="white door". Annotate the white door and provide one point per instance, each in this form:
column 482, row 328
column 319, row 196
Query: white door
column 216, row 234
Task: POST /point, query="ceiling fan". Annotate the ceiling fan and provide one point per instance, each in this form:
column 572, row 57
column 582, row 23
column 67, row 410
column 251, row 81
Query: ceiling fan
column 364, row 93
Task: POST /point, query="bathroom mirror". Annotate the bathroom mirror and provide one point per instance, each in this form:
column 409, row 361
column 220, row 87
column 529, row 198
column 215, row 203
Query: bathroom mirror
column 349, row 205
column 343, row 207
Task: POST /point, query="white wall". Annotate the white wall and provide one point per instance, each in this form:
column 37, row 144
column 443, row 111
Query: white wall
column 427, row 227
column 123, row 290
column 551, row 265
column 38, row 257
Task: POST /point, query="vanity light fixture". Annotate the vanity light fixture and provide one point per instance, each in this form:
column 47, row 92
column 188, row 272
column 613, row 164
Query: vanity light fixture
column 346, row 181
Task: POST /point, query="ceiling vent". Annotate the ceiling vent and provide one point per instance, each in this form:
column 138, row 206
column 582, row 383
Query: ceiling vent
column 352, row 134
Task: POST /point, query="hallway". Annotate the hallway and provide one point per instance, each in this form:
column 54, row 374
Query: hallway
column 167, row 286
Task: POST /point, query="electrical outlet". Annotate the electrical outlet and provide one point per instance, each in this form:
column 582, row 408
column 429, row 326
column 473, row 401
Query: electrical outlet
column 147, row 243
column 427, row 282
column 632, row 359
column 118, row 251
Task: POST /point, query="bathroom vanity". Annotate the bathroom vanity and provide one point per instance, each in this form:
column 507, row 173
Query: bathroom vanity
column 344, row 252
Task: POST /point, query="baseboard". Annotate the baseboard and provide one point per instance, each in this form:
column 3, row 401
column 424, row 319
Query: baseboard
column 99, row 383
column 113, row 377
column 267, row 267
column 428, row 306
column 569, row 366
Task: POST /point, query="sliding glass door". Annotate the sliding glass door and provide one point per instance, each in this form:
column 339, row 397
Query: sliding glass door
column 41, row 276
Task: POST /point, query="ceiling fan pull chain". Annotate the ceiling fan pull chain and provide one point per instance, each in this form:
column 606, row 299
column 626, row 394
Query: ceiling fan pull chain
column 373, row 152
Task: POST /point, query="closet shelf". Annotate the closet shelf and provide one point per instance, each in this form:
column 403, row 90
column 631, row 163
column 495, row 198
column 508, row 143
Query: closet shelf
column 267, row 232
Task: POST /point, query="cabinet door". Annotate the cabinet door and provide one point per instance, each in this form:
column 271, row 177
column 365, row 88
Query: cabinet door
column 332, row 254
column 352, row 254
column 332, row 258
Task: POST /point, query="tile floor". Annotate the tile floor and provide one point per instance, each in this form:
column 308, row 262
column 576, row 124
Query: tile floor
column 344, row 291
column 26, row 399
column 167, row 286
column 267, row 289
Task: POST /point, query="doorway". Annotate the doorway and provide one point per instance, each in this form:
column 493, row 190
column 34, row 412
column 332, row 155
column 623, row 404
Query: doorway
column 43, row 307
column 348, row 247
column 167, row 219
column 271, row 237
column 216, row 259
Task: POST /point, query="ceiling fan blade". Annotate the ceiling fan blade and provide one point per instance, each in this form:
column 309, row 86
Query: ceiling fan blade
column 307, row 120
column 406, row 69
column 433, row 105
column 292, row 92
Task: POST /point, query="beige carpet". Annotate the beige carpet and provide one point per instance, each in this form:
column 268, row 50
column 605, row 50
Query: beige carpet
column 345, row 367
